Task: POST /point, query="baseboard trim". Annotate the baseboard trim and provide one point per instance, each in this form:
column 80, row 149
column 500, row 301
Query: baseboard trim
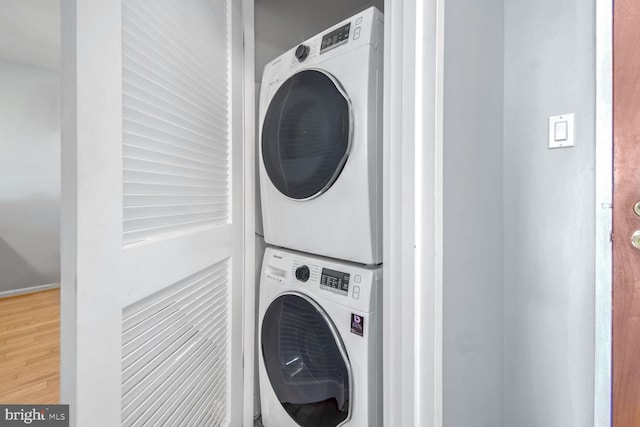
column 29, row 290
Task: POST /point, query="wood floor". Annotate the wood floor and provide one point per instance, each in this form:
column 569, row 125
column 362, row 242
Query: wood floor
column 30, row 348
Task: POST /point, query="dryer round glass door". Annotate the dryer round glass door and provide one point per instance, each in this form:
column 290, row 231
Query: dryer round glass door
column 306, row 134
column 306, row 362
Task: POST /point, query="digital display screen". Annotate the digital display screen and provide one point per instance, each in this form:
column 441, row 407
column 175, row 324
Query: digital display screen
column 335, row 38
column 335, row 281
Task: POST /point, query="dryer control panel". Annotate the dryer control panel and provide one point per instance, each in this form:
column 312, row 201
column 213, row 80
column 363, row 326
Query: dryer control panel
column 335, row 38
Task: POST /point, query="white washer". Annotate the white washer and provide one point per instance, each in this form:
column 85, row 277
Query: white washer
column 321, row 143
column 320, row 342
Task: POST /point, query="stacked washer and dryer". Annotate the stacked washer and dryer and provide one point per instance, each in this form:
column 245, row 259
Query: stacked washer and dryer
column 321, row 193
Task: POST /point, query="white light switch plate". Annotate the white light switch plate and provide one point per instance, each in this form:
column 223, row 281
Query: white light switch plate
column 561, row 131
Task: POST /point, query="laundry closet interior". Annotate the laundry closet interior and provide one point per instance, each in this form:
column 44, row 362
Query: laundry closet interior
column 331, row 377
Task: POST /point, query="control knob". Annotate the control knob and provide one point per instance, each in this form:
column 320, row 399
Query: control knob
column 302, row 52
column 303, row 273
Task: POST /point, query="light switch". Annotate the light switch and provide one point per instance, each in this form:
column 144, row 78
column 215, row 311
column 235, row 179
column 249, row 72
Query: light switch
column 561, row 131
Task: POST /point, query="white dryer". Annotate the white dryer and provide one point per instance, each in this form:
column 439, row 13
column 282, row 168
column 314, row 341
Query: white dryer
column 321, row 143
column 320, row 341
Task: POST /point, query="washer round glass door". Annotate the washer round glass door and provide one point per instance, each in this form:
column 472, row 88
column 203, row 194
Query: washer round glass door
column 306, row 134
column 306, row 362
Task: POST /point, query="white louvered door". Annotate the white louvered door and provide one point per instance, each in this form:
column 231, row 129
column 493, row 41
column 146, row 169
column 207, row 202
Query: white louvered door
column 152, row 212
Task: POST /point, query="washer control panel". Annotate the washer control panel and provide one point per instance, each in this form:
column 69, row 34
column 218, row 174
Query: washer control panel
column 323, row 279
column 335, row 281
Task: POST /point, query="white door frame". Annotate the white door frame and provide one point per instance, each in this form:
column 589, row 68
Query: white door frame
column 603, row 215
column 412, row 307
column 249, row 289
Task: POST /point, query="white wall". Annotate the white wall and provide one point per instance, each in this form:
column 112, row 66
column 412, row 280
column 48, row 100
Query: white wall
column 30, row 171
column 549, row 209
column 473, row 246
column 518, row 217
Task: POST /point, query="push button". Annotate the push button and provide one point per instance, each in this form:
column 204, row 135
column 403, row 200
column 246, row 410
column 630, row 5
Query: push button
column 356, row 292
column 356, row 33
